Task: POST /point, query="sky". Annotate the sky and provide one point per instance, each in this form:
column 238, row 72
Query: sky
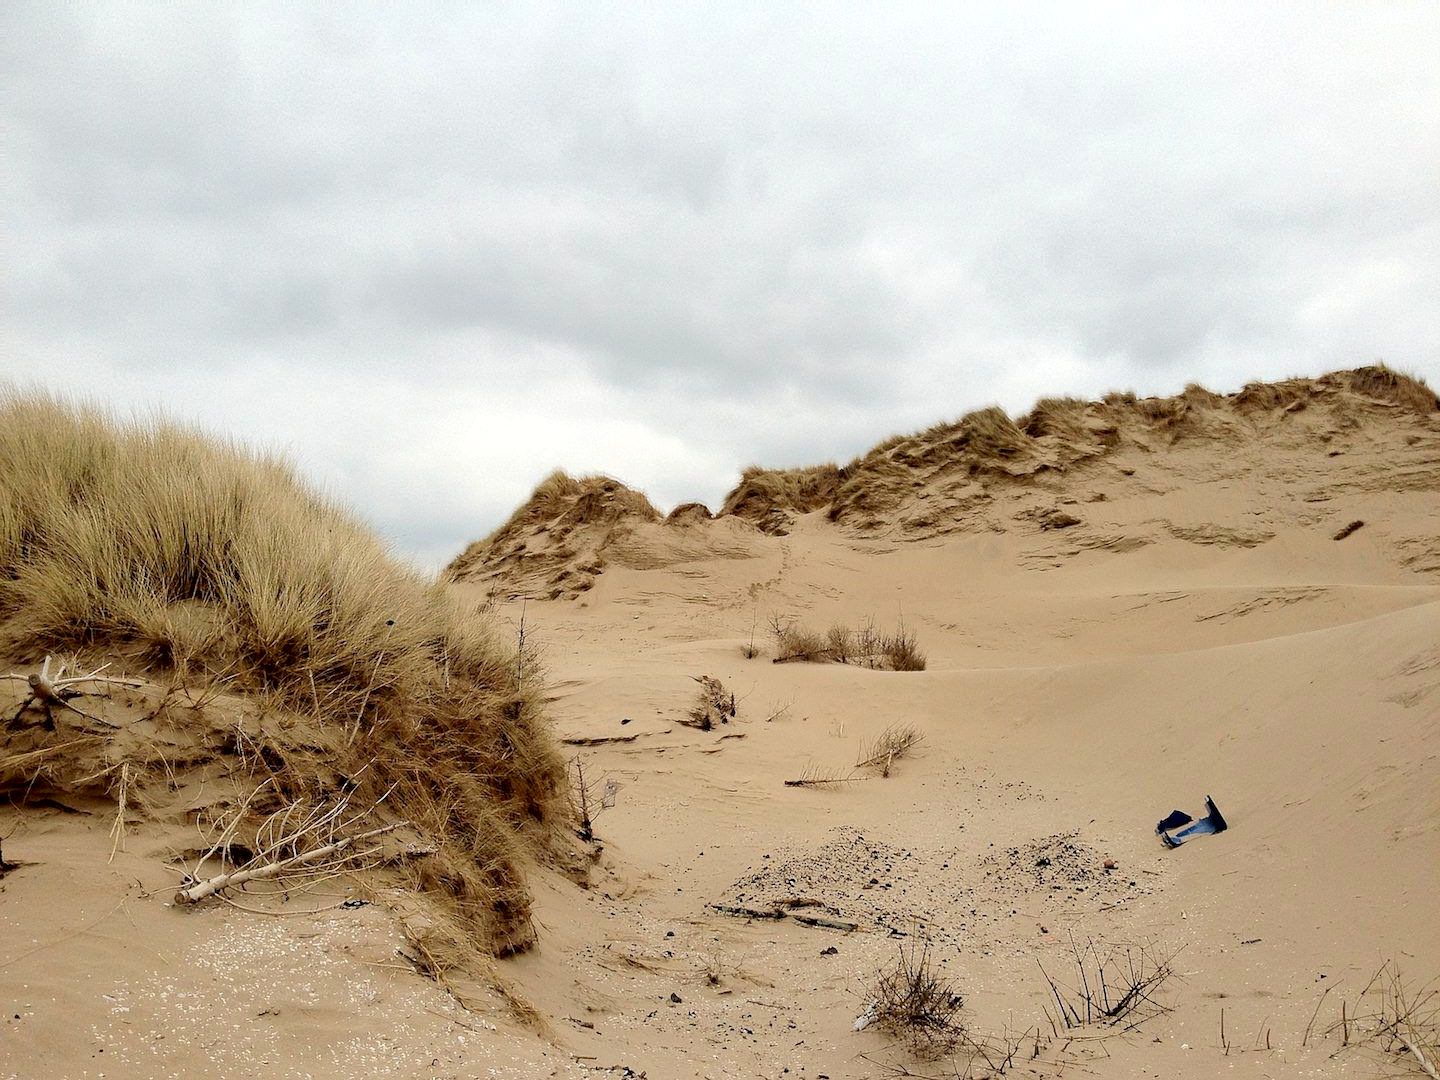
column 434, row 251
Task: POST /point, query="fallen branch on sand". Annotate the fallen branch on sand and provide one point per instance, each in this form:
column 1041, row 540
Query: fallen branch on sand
column 599, row 740
column 895, row 742
column 1348, row 530
column 56, row 691
column 252, row 872
column 775, row 914
column 818, row 776
column 293, row 840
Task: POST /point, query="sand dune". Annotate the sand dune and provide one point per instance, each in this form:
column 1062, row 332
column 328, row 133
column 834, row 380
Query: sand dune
column 1125, row 606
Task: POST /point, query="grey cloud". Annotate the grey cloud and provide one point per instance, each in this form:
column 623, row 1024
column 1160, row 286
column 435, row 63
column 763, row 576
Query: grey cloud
column 784, row 230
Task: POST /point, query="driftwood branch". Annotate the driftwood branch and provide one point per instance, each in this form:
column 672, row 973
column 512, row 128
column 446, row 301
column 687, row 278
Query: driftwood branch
column 256, row 871
column 55, row 691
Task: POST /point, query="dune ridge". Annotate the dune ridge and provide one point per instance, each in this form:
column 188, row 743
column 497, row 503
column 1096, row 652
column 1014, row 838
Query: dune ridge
column 940, row 480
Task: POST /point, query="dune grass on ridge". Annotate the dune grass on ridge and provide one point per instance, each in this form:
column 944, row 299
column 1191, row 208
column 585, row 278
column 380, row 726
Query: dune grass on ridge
column 176, row 552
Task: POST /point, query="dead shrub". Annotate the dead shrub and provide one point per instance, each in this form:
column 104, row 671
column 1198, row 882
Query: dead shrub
column 713, row 704
column 1109, row 985
column 914, row 1002
column 1394, row 1018
column 840, row 644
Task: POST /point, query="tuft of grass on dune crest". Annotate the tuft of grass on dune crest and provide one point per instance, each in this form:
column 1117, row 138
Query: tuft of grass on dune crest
column 174, row 553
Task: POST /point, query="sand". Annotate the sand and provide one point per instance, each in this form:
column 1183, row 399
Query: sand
column 1197, row 631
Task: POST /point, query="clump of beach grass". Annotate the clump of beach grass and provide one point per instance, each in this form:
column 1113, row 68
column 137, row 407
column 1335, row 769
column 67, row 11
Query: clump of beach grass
column 164, row 550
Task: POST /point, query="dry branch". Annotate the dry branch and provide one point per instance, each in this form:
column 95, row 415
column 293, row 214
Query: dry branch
column 1394, row 1018
column 895, row 742
column 252, row 872
column 818, row 776
column 56, row 691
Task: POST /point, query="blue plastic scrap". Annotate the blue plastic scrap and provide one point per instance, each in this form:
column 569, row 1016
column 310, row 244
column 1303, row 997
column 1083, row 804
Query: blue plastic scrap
column 1212, row 822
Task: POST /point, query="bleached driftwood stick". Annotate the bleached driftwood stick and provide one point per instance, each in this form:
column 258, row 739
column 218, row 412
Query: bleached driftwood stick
column 1425, row 1063
column 256, row 872
column 55, row 691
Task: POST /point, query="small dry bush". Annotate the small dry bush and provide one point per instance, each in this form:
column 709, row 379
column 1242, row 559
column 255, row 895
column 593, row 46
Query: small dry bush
column 840, row 644
column 795, row 643
column 866, row 647
column 714, row 704
column 915, row 1003
column 176, row 553
column 1109, row 985
column 901, row 651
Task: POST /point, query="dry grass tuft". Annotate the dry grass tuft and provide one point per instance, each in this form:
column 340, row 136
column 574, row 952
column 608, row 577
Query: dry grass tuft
column 1387, row 384
column 991, row 433
column 554, row 544
column 761, row 491
column 901, row 652
column 1264, row 397
column 689, row 514
column 1056, row 417
column 866, row 647
column 344, row 673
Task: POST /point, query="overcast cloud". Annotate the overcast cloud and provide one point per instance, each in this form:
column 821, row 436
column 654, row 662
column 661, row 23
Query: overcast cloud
column 435, row 251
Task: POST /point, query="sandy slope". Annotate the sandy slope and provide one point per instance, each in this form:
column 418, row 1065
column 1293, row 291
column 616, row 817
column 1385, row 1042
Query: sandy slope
column 1069, row 690
column 1199, row 631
